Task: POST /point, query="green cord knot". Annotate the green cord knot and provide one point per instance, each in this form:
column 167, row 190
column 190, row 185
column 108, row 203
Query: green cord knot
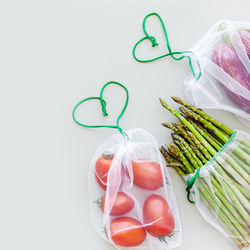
column 103, row 103
column 191, row 183
column 153, row 40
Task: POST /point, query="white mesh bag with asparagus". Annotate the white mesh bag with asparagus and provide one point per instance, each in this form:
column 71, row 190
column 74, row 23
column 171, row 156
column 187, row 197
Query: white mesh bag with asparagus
column 215, row 163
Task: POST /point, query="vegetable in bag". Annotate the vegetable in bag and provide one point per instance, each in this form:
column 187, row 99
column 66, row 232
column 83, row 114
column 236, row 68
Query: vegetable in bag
column 226, row 57
column 138, row 208
column 131, row 199
column 220, row 67
column 215, row 162
column 224, row 60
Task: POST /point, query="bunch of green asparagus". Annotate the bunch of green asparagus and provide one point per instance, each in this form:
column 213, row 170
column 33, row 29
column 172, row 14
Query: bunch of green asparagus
column 197, row 138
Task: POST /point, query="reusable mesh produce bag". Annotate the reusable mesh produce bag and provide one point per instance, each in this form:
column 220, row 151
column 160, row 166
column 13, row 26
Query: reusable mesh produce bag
column 221, row 188
column 223, row 55
column 215, row 162
column 220, row 67
column 137, row 170
column 131, row 199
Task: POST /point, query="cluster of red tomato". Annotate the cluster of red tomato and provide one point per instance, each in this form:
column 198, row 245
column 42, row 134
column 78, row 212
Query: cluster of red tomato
column 158, row 219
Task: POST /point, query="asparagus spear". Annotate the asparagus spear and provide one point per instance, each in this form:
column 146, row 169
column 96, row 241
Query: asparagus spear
column 226, row 207
column 184, row 134
column 167, row 125
column 201, row 130
column 193, row 163
column 177, row 166
column 206, row 136
column 173, row 149
column 226, row 223
column 204, row 115
column 238, row 168
column 246, row 143
column 242, row 190
column 223, row 187
column 242, row 155
column 179, row 171
column 189, row 149
column 205, row 123
column 241, row 163
column 166, row 155
column 236, row 196
column 178, row 123
column 199, row 154
column 233, row 172
column 199, row 145
column 190, row 127
column 240, row 199
column 179, row 131
column 216, row 139
column 173, row 162
column 245, row 148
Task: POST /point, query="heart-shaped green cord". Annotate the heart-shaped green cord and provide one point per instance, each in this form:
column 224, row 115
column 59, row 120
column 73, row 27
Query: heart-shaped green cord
column 154, row 44
column 104, row 111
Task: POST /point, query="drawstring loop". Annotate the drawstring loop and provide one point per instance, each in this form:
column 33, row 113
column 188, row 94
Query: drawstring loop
column 155, row 44
column 104, row 110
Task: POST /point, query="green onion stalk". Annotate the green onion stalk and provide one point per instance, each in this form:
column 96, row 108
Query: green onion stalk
column 223, row 183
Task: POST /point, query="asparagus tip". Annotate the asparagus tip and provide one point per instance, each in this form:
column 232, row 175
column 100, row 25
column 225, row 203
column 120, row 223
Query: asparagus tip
column 183, row 109
column 161, row 100
column 177, row 123
column 172, row 135
column 163, row 103
column 175, row 136
column 176, row 99
column 162, row 149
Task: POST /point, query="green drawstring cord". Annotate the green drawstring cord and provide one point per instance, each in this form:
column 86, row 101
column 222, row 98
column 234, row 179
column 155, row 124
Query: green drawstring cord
column 154, row 44
column 104, row 111
column 191, row 183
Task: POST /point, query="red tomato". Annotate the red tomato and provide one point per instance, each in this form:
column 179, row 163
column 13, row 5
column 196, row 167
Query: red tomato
column 122, row 205
column 101, row 169
column 157, row 214
column 127, row 232
column 147, row 174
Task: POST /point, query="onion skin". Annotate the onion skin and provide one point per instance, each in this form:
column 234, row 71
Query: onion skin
column 226, row 58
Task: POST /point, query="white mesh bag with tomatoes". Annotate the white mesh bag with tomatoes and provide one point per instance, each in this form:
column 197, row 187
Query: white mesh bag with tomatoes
column 131, row 199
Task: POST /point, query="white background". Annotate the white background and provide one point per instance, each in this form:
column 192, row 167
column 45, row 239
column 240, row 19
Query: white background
column 52, row 54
